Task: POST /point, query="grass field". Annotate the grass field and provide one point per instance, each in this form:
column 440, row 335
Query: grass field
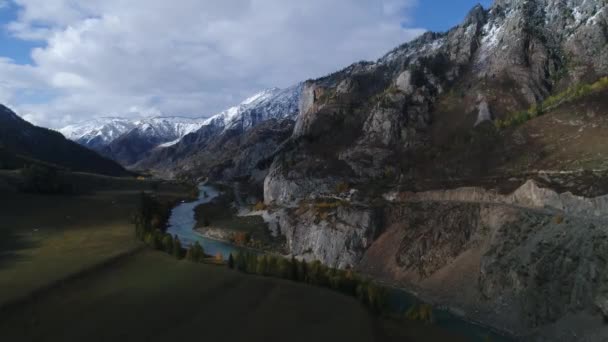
column 46, row 238
column 153, row 297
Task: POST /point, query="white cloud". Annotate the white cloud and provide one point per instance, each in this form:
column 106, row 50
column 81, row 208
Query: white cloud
column 189, row 57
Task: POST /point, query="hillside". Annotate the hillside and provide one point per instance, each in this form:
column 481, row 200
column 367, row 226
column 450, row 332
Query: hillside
column 24, row 143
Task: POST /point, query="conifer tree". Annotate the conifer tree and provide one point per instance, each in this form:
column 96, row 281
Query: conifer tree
column 230, row 261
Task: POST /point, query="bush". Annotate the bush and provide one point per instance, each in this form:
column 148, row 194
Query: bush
column 342, row 187
column 573, row 93
column 259, row 206
column 420, row 312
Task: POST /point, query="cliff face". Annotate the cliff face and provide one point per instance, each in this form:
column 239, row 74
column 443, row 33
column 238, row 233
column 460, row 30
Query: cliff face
column 465, row 166
column 532, row 262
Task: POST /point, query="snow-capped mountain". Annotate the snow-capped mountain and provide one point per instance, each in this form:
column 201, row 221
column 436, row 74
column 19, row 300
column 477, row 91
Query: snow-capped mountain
column 127, row 141
column 269, row 104
column 99, row 133
column 240, row 136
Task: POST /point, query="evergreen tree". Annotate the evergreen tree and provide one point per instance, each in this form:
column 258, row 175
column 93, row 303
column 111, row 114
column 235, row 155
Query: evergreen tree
column 303, row 271
column 177, row 247
column 252, row 263
column 293, row 269
column 262, row 265
column 282, row 270
column 230, row 261
column 239, row 260
column 198, row 252
column 167, row 243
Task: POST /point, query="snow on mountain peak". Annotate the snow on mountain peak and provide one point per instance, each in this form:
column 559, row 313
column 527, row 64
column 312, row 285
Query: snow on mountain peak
column 273, row 103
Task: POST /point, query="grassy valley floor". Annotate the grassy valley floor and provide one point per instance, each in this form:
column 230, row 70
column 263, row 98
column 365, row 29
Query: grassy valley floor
column 45, row 238
column 153, row 297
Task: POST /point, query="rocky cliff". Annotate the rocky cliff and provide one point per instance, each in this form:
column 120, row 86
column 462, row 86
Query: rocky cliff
column 469, row 166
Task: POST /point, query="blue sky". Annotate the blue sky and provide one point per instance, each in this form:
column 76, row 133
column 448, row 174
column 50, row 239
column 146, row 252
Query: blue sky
column 13, row 48
column 64, row 61
column 434, row 15
column 441, row 15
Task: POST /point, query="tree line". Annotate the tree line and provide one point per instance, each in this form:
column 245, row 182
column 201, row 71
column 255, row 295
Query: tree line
column 374, row 296
column 151, row 220
column 150, row 226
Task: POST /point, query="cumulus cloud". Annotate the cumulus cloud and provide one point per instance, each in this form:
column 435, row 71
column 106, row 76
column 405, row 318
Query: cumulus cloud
column 189, row 57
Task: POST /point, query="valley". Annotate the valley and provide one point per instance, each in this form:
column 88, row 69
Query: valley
column 76, row 260
column 452, row 188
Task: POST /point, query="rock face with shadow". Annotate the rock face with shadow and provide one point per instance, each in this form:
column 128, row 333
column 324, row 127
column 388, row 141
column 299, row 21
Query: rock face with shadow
column 458, row 166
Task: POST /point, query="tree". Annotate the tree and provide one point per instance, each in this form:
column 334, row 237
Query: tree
column 219, row 258
column 282, row 268
column 262, row 265
column 293, row 269
column 177, row 247
column 230, row 261
column 167, row 243
column 241, row 263
column 303, row 271
column 196, row 253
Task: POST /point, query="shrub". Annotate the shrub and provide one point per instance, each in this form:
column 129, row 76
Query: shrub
column 259, row 206
column 420, row 312
column 573, row 93
column 342, row 187
column 241, row 238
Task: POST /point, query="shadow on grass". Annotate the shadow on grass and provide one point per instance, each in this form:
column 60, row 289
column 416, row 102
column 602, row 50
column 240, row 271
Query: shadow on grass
column 11, row 243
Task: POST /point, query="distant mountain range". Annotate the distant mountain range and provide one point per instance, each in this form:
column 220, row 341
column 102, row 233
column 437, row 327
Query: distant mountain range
column 22, row 143
column 129, row 141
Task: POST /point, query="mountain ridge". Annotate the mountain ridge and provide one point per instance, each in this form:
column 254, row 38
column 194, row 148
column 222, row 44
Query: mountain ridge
column 21, row 138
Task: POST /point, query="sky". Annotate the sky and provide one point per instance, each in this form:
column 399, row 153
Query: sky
column 67, row 61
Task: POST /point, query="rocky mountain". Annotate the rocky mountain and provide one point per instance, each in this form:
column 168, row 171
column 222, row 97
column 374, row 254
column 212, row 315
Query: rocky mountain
column 147, row 135
column 232, row 143
column 98, row 133
column 127, row 140
column 468, row 166
column 24, row 143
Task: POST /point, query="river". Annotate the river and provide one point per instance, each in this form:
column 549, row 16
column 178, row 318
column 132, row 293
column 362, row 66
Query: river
column 182, row 223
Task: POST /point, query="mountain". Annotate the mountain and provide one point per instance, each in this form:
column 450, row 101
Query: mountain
column 98, row 133
column 148, row 134
column 129, row 141
column 230, row 144
column 469, row 166
column 474, row 163
column 26, row 143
